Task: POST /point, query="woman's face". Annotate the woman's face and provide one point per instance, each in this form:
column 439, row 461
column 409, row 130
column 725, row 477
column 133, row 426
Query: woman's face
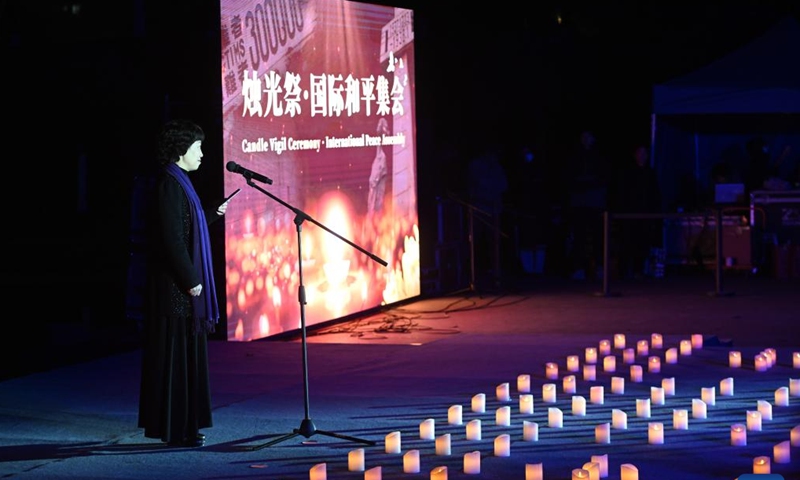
column 190, row 161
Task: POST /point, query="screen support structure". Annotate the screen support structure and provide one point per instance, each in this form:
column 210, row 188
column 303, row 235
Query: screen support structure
column 307, row 428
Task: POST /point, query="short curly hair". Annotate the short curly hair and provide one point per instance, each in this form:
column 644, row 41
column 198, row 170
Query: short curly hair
column 175, row 139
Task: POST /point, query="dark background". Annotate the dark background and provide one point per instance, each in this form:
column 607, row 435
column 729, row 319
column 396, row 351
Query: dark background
column 88, row 83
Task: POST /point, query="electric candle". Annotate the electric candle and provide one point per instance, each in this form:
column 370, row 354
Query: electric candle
column 454, row 415
column 474, row 429
column 619, row 419
column 628, row 356
column 355, row 460
column 551, row 370
column 794, row 387
column 443, row 444
column 594, row 470
column 697, row 341
column 591, row 355
column 765, row 408
column 524, row 383
column 555, row 417
column 534, row 471
column 549, row 393
column 569, row 384
column 795, row 436
column 439, row 473
column 393, row 441
column 502, row 445
column 573, row 363
column 618, row 385
column 642, row 348
column 654, row 364
column 655, row 433
column 530, row 431
column 427, row 429
column 318, row 472
column 628, row 472
column 686, row 347
column 609, row 363
column 738, row 435
column 373, row 473
column 503, row 393
column 596, row 395
column 668, row 384
column 761, row 465
column 602, row 433
column 643, row 407
column 735, row 359
column 636, row 373
column 502, row 417
column 781, row 453
column 578, row 406
column 656, row 340
column 619, row 341
column 680, row 419
column 796, row 360
column 754, row 420
column 472, row 462
column 580, row 474
column 699, row 409
column 604, row 347
column 709, row 395
column 782, row 397
column 602, row 462
column 411, row 461
column 671, row 356
column 526, row 404
column 761, row 362
column 772, row 356
column 590, row 372
column 479, row 403
column 726, row 387
column 657, row 395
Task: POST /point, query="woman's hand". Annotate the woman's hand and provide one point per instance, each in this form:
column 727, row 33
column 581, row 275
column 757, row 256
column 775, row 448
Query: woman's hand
column 195, row 291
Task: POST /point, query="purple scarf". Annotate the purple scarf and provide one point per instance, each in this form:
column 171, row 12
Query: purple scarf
column 206, row 310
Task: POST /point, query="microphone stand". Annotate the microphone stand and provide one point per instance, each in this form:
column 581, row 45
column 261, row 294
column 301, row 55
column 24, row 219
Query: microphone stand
column 307, row 427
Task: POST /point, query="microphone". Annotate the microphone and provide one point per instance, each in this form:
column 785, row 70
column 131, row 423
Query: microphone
column 248, row 174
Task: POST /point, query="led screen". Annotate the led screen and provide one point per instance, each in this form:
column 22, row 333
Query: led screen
column 319, row 134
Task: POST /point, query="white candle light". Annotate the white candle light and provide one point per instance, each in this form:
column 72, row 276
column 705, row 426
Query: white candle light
column 479, row 403
column 454, row 415
column 761, row 362
column 439, row 473
column 569, row 384
column 594, row 470
column 411, row 461
column 502, row 445
column 619, row 419
column 472, row 462
column 602, row 461
column 609, row 363
column 530, row 431
column 591, row 355
column 393, row 442
column 551, row 370
column 604, row 347
column 685, row 347
column 794, row 387
column 549, row 393
column 580, row 474
column 618, row 385
column 709, row 395
column 654, row 364
column 796, row 359
column 671, row 356
column 373, row 473
column 355, row 460
column 590, row 373
column 726, row 387
column 503, row 393
column 765, row 408
column 642, row 348
column 643, row 407
column 753, row 420
column 427, row 429
column 526, row 404
column 318, row 472
column 596, row 394
column 668, row 384
column 735, row 359
column 502, row 416
column 636, row 373
column 523, row 383
column 782, row 453
column 578, row 406
column 474, row 429
column 761, row 465
column 699, row 409
column 697, row 341
column 657, row 396
column 555, row 417
column 628, row 356
column 534, row 471
column 573, row 363
column 794, row 436
column 443, row 444
column 738, row 435
column 782, row 397
column 628, row 472
column 655, row 433
column 772, row 355
column 619, row 341
column 680, row 419
column 656, row 340
column 602, row 433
